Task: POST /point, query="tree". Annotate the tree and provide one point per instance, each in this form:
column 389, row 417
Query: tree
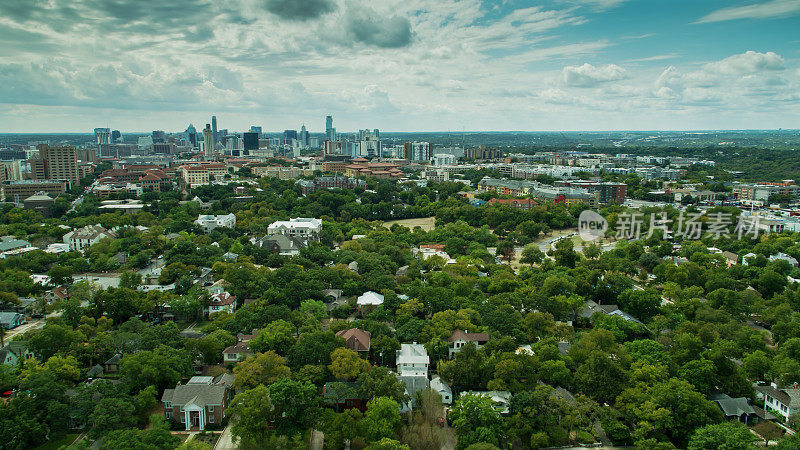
column 212, row 345
column 382, row 419
column 111, row 414
column 476, row 420
column 531, row 255
column 387, row 444
column 505, row 249
column 277, row 336
column 726, row 435
column 297, row 406
column 346, row 364
column 251, row 411
column 262, row 368
column 380, row 382
column 162, row 367
column 314, row 348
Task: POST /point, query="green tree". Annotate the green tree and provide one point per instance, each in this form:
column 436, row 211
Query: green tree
column 111, row 414
column 277, row 336
column 726, row 435
column 262, row 368
column 380, row 382
column 382, row 419
column 476, row 420
column 346, row 364
column 387, row 444
column 531, row 255
column 251, row 412
column 162, row 367
column 297, row 406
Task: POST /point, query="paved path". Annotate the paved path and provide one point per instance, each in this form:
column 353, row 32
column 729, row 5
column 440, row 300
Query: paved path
column 225, row 441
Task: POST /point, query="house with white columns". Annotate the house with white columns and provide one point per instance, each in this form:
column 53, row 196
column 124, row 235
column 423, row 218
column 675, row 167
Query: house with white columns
column 201, row 402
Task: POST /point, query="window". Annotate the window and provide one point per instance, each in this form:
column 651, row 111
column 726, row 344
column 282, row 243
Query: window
column 211, row 408
column 181, row 408
column 183, row 418
column 211, row 419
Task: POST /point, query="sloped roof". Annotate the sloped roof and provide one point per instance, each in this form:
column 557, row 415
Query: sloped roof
column 370, row 298
column 198, row 394
column 355, row 339
column 733, row 406
column 463, row 335
column 412, row 354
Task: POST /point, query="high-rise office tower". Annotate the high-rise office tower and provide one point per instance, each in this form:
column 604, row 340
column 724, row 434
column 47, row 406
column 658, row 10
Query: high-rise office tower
column 116, row 137
column 250, row 142
column 191, row 135
column 56, row 163
column 417, row 151
column 256, row 129
column 159, row 136
column 304, row 138
column 103, row 137
column 214, row 133
column 330, row 132
column 208, row 142
column 289, row 136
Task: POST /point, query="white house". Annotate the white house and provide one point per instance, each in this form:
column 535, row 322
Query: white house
column 369, row 299
column 221, row 301
column 459, row 339
column 89, row 235
column 209, row 222
column 782, row 402
column 412, row 360
column 443, row 389
column 304, row 228
column 500, row 399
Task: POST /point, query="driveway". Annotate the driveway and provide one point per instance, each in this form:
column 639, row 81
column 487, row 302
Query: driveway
column 225, row 441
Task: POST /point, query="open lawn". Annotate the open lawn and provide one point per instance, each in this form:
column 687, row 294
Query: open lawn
column 54, row 445
column 426, row 223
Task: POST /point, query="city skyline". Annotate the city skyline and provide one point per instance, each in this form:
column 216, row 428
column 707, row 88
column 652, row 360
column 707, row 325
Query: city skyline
column 400, row 66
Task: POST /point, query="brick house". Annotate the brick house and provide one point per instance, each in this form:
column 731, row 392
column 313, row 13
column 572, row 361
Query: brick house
column 201, row 402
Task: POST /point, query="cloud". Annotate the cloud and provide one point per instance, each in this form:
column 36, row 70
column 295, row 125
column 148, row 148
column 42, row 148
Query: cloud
column 747, row 63
column 767, row 10
column 588, row 75
column 299, row 9
column 654, row 58
column 597, row 4
column 368, row 27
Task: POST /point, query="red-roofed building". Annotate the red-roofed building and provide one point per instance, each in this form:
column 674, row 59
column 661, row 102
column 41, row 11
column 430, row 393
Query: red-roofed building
column 221, row 301
column 355, row 339
column 459, row 338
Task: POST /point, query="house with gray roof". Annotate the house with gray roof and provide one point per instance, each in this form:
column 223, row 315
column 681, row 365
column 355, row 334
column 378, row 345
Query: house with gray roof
column 783, row 402
column 10, row 319
column 15, row 352
column 734, row 408
column 201, row 402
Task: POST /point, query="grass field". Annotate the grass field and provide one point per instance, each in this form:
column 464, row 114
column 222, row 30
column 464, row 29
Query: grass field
column 54, row 445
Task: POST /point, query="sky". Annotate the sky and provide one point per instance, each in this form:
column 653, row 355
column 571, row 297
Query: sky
column 399, row 65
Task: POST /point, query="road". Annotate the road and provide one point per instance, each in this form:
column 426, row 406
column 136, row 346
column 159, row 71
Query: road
column 32, row 325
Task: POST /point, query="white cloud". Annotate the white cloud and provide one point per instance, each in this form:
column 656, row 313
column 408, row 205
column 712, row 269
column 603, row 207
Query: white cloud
column 588, row 75
column 766, row 10
column 748, row 62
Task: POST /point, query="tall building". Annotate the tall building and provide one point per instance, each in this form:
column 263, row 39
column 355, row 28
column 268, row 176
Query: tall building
column 369, row 143
column 214, row 133
column 330, row 132
column 159, row 136
column 116, row 137
column 304, row 137
column 250, row 142
column 103, row 137
column 255, row 129
column 191, row 135
column 98, row 132
column 288, row 136
column 208, row 142
column 56, row 163
column 417, row 151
